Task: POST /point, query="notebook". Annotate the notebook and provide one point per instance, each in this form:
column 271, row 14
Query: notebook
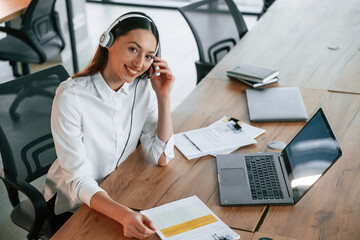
column 252, row 73
column 279, row 178
column 276, row 104
column 257, row 84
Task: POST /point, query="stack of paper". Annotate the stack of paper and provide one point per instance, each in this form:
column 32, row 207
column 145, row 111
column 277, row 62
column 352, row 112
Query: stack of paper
column 221, row 137
column 188, row 218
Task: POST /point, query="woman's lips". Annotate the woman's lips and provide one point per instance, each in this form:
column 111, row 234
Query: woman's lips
column 131, row 71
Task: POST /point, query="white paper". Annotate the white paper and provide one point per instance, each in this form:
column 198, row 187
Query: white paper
column 218, row 137
column 183, row 211
column 251, row 131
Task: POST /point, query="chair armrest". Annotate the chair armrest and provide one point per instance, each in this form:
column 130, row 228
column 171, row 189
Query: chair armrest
column 18, row 34
column 35, row 197
column 14, row 32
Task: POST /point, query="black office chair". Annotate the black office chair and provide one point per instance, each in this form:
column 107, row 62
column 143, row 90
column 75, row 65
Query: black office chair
column 27, row 148
column 217, row 26
column 38, row 39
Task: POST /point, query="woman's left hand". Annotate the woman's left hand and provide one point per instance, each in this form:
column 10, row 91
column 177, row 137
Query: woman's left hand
column 162, row 84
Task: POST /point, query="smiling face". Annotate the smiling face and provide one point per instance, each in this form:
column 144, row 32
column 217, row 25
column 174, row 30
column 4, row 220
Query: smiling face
column 129, row 57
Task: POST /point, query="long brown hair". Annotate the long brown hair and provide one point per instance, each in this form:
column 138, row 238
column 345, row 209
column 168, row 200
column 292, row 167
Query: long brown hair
column 100, row 59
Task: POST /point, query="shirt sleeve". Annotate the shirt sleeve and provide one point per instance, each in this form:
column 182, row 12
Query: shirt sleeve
column 67, row 133
column 153, row 146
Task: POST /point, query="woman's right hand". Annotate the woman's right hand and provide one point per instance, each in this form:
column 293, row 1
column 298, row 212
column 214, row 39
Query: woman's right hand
column 136, row 225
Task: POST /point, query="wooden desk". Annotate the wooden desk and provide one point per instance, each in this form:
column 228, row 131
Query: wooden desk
column 349, row 77
column 294, row 36
column 11, row 9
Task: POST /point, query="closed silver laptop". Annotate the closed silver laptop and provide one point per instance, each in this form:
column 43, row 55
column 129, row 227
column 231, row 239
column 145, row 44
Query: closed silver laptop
column 276, row 104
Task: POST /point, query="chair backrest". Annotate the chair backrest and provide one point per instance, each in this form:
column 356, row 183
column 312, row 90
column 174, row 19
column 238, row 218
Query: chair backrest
column 267, row 4
column 40, row 23
column 217, row 26
column 26, row 144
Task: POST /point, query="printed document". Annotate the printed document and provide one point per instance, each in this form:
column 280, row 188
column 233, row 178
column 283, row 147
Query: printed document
column 251, row 131
column 218, row 138
column 188, row 218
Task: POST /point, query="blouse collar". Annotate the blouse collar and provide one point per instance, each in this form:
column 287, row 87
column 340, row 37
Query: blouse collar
column 104, row 90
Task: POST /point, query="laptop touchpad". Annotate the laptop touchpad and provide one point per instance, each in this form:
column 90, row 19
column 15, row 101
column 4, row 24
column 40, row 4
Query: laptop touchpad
column 231, row 177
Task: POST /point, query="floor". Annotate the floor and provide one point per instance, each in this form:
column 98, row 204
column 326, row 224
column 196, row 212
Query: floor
column 178, row 48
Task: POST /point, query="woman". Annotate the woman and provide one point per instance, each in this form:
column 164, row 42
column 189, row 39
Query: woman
column 100, row 114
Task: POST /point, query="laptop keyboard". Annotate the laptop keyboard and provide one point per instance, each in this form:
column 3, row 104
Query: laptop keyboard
column 264, row 181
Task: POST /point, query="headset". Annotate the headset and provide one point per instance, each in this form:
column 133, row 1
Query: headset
column 107, row 38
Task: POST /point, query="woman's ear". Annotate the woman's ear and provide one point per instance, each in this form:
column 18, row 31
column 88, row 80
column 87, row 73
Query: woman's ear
column 109, row 48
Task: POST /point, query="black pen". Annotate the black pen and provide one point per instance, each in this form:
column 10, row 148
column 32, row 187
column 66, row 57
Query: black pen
column 192, row 142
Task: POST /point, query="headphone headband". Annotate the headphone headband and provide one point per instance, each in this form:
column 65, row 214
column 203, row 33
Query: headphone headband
column 107, row 38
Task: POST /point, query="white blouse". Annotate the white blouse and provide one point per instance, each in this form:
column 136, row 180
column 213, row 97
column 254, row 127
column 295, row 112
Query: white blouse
column 90, row 125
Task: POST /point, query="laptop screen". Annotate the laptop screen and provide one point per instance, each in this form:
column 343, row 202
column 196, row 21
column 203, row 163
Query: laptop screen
column 308, row 156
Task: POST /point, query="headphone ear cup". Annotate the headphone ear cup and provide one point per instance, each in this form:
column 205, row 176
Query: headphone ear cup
column 106, row 39
column 110, row 41
column 103, row 39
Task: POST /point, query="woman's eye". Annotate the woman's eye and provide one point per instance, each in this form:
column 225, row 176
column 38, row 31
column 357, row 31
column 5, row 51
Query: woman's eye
column 132, row 49
column 150, row 57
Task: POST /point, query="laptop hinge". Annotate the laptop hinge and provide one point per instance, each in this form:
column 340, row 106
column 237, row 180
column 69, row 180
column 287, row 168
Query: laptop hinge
column 283, row 174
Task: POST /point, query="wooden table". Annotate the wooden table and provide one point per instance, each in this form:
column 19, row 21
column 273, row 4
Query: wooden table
column 294, row 37
column 331, row 209
column 10, row 9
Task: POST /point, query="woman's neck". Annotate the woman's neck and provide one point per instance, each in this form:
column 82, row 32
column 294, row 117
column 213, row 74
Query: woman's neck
column 112, row 79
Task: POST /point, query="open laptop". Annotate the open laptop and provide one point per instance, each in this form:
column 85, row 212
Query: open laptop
column 279, row 178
